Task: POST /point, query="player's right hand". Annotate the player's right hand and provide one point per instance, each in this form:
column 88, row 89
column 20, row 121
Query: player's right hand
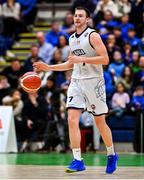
column 40, row 66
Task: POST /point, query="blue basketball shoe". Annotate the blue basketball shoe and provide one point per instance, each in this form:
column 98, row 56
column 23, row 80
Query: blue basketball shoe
column 111, row 163
column 75, row 166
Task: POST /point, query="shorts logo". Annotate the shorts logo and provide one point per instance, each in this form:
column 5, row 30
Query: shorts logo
column 100, row 90
column 93, row 106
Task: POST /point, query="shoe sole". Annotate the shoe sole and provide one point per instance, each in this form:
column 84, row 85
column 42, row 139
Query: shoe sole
column 72, row 171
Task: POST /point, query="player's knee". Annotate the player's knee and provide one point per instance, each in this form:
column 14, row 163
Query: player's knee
column 72, row 121
column 100, row 123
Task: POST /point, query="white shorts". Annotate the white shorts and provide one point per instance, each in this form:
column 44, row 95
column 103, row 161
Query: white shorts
column 87, row 94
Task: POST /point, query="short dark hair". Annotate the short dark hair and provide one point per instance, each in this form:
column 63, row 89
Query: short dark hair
column 83, row 8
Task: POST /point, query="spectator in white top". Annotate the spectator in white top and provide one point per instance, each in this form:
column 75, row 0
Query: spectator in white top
column 46, row 50
column 63, row 46
column 104, row 5
column 124, row 7
column 12, row 22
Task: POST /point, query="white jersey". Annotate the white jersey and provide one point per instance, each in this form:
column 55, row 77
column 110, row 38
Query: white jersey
column 80, row 46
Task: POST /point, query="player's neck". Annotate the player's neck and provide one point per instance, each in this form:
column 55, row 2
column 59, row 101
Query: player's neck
column 79, row 30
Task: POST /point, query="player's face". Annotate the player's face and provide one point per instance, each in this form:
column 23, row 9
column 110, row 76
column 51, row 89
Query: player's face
column 80, row 18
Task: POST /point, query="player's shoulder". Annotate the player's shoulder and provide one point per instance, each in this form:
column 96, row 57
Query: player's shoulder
column 93, row 31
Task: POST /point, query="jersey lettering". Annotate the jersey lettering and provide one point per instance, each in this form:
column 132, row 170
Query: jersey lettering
column 79, row 52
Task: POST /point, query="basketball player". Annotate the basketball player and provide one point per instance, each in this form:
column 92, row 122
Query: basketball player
column 87, row 87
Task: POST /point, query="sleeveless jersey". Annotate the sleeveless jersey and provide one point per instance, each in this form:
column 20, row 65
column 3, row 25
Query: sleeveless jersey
column 80, row 46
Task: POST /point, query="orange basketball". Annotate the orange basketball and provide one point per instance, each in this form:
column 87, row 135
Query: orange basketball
column 30, row 82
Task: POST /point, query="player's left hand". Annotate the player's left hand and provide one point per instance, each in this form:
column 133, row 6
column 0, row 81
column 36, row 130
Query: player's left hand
column 75, row 59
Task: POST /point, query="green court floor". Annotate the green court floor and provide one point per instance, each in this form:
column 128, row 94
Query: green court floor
column 91, row 159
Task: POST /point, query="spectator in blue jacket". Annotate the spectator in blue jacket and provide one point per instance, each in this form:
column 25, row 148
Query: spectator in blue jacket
column 138, row 98
column 46, row 50
column 52, row 36
column 125, row 25
column 29, row 11
column 132, row 39
column 116, row 68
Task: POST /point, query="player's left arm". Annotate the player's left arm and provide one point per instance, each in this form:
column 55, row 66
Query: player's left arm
column 101, row 52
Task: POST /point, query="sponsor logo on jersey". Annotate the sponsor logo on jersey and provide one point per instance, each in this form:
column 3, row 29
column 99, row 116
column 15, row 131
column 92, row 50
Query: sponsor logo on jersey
column 79, row 52
column 85, row 35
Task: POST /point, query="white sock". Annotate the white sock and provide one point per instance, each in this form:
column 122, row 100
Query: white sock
column 110, row 150
column 77, row 153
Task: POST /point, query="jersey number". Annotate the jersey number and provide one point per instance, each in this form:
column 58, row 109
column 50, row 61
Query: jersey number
column 70, row 98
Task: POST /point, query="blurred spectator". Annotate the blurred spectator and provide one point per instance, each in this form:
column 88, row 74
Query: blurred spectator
column 86, row 121
column 28, row 11
column 91, row 23
column 68, row 25
column 118, row 36
column 32, row 58
column 125, row 25
column 13, row 73
column 64, row 48
column 12, row 21
column 58, row 75
column 104, row 5
column 138, row 98
column 111, row 45
column 109, row 81
column 135, row 61
column 48, row 90
column 14, row 100
column 44, row 75
column 139, row 76
column 132, row 39
column 56, row 132
column 63, row 95
column 108, row 21
column 124, row 7
column 127, row 53
column 46, row 50
column 117, row 66
column 126, row 78
column 53, row 35
column 120, row 100
column 35, row 114
column 4, row 87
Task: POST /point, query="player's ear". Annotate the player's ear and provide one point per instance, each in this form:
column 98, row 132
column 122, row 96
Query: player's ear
column 87, row 20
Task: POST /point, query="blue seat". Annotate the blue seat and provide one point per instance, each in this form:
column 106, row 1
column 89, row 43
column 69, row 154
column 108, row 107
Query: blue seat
column 122, row 128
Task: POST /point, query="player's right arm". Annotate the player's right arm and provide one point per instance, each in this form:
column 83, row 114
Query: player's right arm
column 40, row 66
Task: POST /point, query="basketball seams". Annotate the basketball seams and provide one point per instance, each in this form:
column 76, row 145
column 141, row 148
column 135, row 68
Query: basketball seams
column 28, row 89
column 27, row 79
column 31, row 75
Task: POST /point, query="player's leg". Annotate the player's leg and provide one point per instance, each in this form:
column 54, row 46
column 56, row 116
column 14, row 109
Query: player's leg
column 107, row 138
column 75, row 104
column 75, row 138
column 96, row 104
